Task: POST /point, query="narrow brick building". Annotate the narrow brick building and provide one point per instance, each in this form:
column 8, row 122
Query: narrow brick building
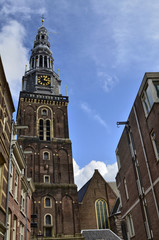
column 20, row 190
column 43, row 109
column 6, row 111
column 138, row 162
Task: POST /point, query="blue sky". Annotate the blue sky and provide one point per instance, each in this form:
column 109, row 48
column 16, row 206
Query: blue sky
column 102, row 49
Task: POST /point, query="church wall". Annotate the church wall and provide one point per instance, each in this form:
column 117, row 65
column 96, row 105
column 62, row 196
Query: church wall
column 98, row 189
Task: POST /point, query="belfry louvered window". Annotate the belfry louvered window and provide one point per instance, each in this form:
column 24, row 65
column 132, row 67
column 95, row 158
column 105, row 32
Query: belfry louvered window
column 102, row 214
column 41, row 61
column 41, row 129
column 44, row 130
column 48, row 130
column 45, row 62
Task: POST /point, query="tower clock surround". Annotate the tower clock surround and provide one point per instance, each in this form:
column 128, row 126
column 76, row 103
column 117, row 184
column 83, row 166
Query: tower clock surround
column 43, row 109
column 44, row 80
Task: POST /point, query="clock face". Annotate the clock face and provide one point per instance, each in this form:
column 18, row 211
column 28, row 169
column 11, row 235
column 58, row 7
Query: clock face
column 44, row 80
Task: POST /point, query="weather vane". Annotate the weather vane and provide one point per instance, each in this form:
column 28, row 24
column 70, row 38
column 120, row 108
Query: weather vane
column 42, row 19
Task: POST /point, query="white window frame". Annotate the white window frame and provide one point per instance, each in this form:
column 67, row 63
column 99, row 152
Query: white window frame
column 22, row 201
column 130, row 225
column 21, row 231
column 44, row 155
column 45, row 177
column 11, row 178
column 45, row 203
column 155, row 145
column 14, row 228
column 16, row 186
column 126, row 189
column 146, row 101
column 118, row 159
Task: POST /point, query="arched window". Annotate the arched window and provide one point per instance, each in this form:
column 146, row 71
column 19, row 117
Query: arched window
column 45, row 61
column 48, row 130
column 46, row 156
column 41, row 129
column 102, row 214
column 44, row 130
column 36, row 60
column 48, row 225
column 32, row 62
column 41, row 61
column 48, row 220
column 47, row 202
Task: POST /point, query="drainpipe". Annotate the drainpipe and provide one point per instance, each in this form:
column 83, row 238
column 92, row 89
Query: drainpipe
column 9, row 171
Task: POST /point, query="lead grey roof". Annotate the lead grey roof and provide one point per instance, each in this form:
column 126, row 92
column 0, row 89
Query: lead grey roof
column 82, row 191
column 100, row 234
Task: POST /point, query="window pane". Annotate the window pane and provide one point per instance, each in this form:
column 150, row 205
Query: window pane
column 48, row 219
column 149, row 96
column 41, row 129
column 44, row 112
column 46, row 156
column 101, row 213
column 48, row 232
column 46, row 179
column 47, row 202
column 48, row 130
column 157, row 89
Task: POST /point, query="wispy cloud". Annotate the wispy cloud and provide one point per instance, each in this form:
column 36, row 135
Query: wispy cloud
column 82, row 175
column 25, row 8
column 92, row 113
column 107, row 82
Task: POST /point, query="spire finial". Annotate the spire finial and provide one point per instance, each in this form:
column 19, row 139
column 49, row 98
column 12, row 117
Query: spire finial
column 42, row 19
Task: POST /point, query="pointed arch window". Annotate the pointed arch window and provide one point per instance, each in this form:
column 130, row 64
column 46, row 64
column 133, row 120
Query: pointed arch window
column 102, row 214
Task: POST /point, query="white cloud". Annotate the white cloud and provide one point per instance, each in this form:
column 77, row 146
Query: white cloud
column 94, row 115
column 84, row 174
column 25, row 8
column 107, row 81
column 14, row 54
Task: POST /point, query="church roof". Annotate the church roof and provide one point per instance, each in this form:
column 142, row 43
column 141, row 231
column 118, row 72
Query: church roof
column 116, row 208
column 114, row 187
column 102, row 234
column 82, row 191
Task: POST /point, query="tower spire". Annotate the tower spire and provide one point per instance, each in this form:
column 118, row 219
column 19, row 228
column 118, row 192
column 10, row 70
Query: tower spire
column 42, row 19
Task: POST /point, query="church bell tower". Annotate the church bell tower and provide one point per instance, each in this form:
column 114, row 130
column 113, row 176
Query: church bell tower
column 43, row 109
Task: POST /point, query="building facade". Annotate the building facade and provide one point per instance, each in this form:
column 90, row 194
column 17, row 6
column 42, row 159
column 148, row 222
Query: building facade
column 20, row 190
column 6, row 111
column 44, row 110
column 138, row 163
